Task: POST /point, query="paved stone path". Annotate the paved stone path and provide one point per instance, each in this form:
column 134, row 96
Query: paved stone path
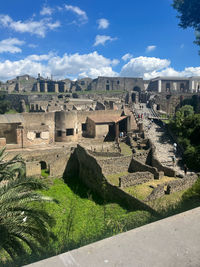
column 161, row 140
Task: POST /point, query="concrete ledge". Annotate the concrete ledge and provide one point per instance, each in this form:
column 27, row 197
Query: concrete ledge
column 174, row 241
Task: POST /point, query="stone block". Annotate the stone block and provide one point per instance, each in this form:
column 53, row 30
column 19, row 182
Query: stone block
column 2, row 142
column 33, row 169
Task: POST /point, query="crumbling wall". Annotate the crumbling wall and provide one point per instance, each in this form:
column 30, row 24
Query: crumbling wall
column 33, row 169
column 137, row 166
column 8, row 131
column 154, row 162
column 136, row 178
column 85, row 167
column 115, row 164
column 175, row 185
column 55, row 159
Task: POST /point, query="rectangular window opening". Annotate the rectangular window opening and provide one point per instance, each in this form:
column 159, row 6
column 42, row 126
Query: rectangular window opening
column 69, row 132
column 37, row 135
column 84, row 127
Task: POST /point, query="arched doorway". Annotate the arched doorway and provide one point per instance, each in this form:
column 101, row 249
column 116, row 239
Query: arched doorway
column 44, row 169
column 133, row 97
column 137, row 89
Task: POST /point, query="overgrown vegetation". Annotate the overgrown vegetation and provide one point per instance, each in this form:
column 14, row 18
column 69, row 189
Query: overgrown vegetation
column 142, row 191
column 188, row 11
column 24, row 228
column 186, row 126
column 83, row 217
column 5, row 105
column 114, row 178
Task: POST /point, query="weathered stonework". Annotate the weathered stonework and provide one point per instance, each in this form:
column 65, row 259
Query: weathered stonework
column 136, row 178
column 175, row 185
column 85, row 167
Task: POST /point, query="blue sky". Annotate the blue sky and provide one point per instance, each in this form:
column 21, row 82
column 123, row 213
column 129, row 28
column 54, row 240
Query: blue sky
column 75, row 39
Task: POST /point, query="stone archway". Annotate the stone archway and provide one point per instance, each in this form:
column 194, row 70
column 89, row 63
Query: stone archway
column 44, row 169
column 137, row 89
column 43, row 165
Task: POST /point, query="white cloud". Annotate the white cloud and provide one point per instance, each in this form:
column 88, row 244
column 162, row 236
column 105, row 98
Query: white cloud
column 127, row 56
column 39, row 28
column 82, row 14
column 11, row 45
column 103, row 23
column 94, row 73
column 46, row 11
column 89, row 65
column 151, row 67
column 71, row 66
column 32, row 45
column 40, row 57
column 138, row 67
column 150, row 48
column 102, row 39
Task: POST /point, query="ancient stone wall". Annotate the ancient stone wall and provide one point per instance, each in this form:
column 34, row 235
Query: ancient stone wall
column 132, row 179
column 154, row 162
column 8, row 131
column 38, row 129
column 2, row 142
column 66, row 124
column 33, row 169
column 83, row 166
column 90, row 131
column 137, row 166
column 170, row 102
column 101, row 130
column 115, row 164
column 117, row 83
column 105, row 154
column 175, row 185
column 56, row 160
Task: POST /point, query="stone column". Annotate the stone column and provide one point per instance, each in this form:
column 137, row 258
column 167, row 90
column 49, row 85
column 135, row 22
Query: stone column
column 128, row 124
column 117, row 130
column 65, row 87
column 159, row 86
column 38, row 87
column 19, row 135
column 56, row 88
column 45, row 87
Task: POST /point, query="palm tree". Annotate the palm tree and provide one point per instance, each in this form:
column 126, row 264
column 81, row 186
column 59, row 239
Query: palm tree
column 23, row 226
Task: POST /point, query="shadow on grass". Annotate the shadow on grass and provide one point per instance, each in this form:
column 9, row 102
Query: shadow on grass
column 80, row 189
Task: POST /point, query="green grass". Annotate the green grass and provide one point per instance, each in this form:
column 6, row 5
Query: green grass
column 82, row 218
column 44, row 173
column 11, row 111
column 125, row 149
column 167, row 202
column 178, row 202
column 114, row 178
column 142, row 191
column 139, row 191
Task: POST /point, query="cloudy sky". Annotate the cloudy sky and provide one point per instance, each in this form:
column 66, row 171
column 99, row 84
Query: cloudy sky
column 90, row 38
